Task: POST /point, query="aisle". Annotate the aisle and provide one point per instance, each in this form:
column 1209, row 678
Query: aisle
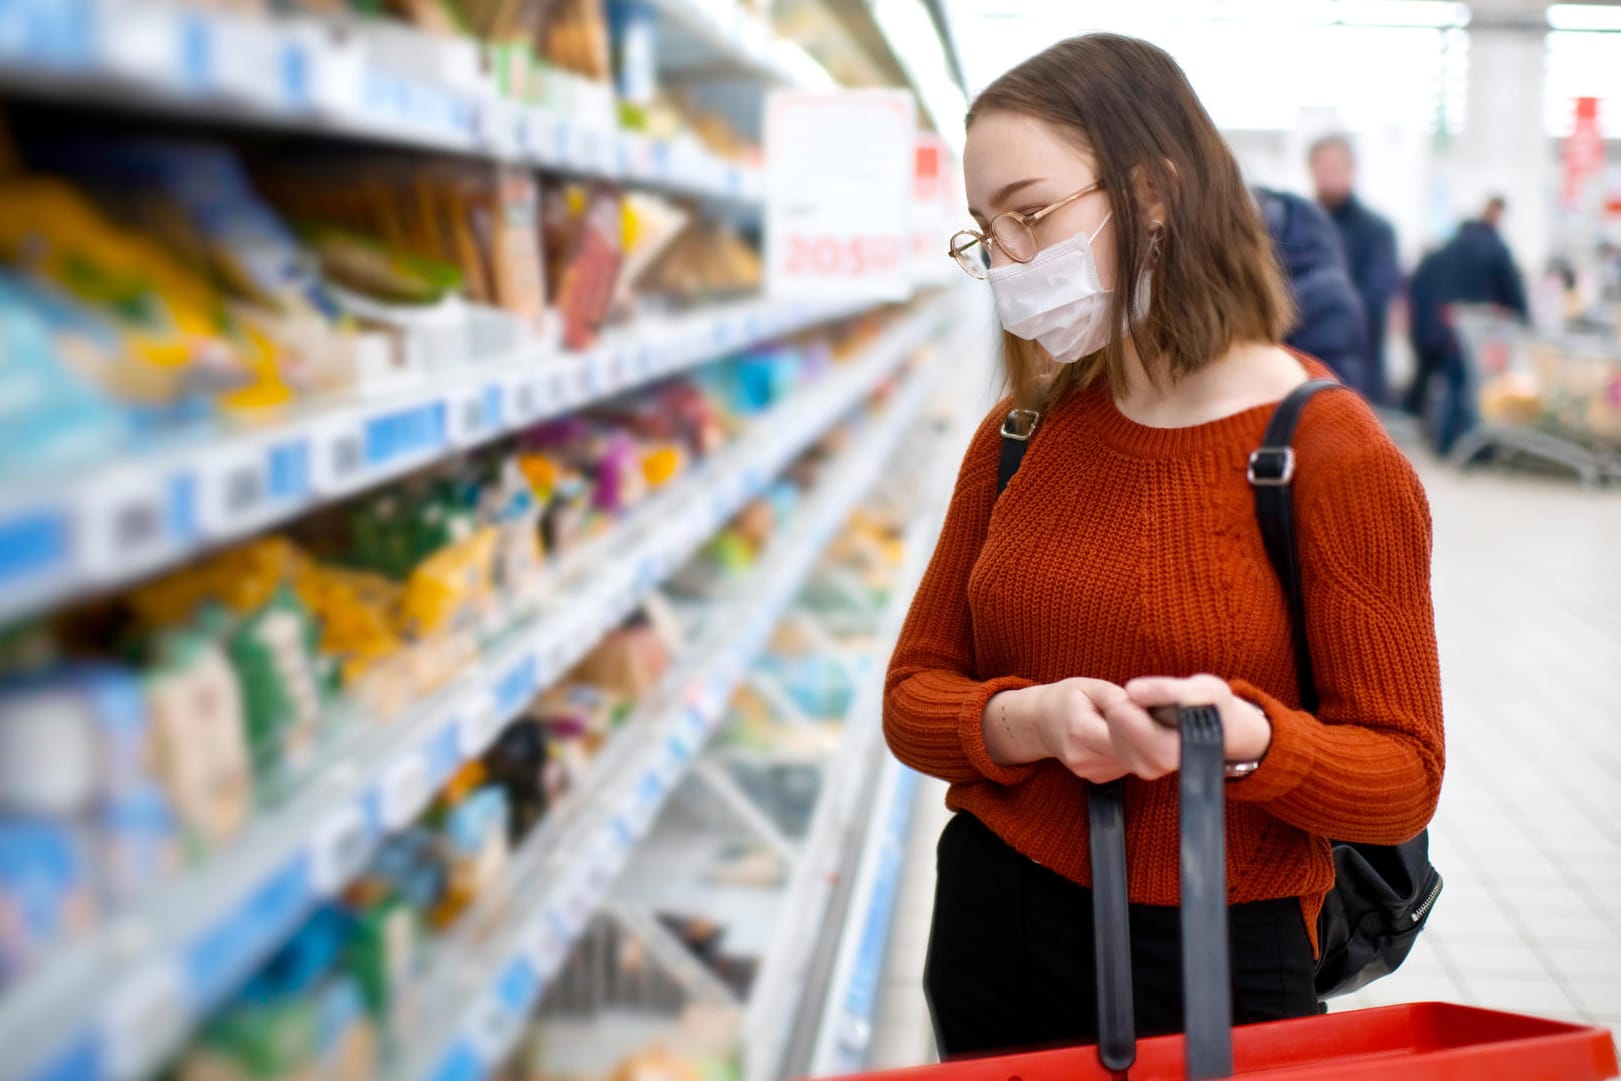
column 1528, row 836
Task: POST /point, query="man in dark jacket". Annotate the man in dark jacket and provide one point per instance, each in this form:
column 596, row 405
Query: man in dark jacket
column 1330, row 323
column 1474, row 267
column 1483, row 270
column 1369, row 244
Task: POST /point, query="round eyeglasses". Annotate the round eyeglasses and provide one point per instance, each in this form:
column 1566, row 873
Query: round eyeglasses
column 1013, row 233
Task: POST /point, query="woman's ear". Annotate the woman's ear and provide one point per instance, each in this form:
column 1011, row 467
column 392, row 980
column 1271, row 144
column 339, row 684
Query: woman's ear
column 1151, row 193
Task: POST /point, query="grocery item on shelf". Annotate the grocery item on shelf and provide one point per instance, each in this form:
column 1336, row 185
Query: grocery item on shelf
column 409, row 232
column 583, row 229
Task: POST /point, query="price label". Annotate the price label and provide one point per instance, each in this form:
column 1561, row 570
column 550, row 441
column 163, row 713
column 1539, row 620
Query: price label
column 233, row 490
column 540, row 136
column 546, row 950
column 405, row 791
column 586, row 379
column 477, row 722
column 145, row 1019
column 493, row 1026
column 339, row 850
column 338, row 456
column 523, row 399
column 498, row 127
column 151, row 43
column 467, row 416
column 123, row 523
column 248, row 59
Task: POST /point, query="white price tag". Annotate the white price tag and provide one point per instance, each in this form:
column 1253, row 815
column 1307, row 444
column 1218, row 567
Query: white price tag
column 493, row 1027
column 499, row 127
column 148, row 43
column 338, row 456
column 405, row 791
column 123, row 523
column 477, row 724
column 546, row 950
column 145, row 1019
column 524, row 397
column 249, row 59
column 339, row 850
column 466, row 419
column 540, row 136
column 336, row 69
column 233, row 489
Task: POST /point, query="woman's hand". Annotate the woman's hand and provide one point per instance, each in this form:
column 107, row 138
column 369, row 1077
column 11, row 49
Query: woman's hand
column 1154, row 750
column 1062, row 721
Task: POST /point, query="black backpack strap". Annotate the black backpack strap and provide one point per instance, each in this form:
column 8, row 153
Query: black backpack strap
column 1271, row 474
column 1105, row 804
column 1017, row 429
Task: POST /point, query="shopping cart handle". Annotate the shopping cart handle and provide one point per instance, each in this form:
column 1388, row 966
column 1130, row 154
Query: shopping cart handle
column 1206, row 969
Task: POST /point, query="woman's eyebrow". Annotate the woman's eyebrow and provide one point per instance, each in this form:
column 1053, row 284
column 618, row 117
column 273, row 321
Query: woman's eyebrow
column 1006, row 192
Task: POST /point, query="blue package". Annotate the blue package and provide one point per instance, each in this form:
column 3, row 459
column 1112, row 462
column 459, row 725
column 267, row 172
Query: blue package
column 45, row 890
column 53, row 418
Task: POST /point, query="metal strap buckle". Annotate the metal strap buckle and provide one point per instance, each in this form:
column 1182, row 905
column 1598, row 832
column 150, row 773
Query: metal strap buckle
column 1020, row 424
column 1271, row 467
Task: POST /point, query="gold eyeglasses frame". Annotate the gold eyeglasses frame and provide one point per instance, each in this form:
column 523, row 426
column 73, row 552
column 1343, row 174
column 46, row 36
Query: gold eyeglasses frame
column 963, row 241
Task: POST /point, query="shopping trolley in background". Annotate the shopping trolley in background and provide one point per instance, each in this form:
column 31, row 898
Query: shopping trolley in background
column 1553, row 399
column 1419, row 1042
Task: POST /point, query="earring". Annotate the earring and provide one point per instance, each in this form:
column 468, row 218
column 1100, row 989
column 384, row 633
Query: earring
column 1156, row 234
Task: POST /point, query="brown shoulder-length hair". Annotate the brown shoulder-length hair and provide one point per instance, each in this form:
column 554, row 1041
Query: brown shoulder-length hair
column 1215, row 280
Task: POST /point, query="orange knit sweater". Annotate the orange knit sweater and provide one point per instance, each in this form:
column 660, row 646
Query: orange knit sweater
column 1120, row 551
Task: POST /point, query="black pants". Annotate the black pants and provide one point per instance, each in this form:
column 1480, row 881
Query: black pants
column 1010, row 963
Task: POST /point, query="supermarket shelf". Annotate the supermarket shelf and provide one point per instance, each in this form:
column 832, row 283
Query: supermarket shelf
column 115, row 1004
column 709, row 34
column 845, row 1032
column 359, row 79
column 67, row 537
column 571, row 870
column 838, row 827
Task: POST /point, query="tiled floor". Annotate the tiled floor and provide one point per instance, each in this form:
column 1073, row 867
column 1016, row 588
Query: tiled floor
column 1528, row 609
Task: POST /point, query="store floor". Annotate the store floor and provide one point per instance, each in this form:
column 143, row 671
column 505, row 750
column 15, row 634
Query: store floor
column 1528, row 836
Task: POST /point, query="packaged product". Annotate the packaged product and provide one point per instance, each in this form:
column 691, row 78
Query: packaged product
column 47, row 890
column 199, row 729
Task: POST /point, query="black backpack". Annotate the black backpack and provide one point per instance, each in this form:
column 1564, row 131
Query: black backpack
column 1383, row 894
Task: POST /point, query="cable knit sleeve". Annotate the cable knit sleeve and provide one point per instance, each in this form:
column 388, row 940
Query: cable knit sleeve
column 1367, row 767
column 933, row 696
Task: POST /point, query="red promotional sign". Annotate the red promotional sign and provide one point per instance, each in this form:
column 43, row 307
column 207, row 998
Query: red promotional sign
column 1583, row 152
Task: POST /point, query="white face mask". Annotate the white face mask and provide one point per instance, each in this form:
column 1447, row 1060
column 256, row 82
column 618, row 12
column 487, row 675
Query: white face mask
column 1056, row 298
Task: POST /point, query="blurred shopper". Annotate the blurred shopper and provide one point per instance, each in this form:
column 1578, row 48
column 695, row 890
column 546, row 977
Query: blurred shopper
column 1144, row 310
column 1474, row 267
column 1329, row 320
column 1369, row 243
column 1482, row 268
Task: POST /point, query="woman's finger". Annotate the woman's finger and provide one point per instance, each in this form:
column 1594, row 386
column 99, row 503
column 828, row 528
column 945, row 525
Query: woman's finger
column 1151, row 691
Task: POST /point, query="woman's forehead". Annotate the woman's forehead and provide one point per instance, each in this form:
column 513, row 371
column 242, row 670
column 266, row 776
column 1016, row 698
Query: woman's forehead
column 1006, row 147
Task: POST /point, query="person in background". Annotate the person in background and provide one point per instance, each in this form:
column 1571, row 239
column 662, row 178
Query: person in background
column 1482, row 267
column 1369, row 244
column 1474, row 267
column 1329, row 320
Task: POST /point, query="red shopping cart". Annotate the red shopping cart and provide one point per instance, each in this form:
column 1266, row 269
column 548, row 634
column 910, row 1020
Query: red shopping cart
column 1419, row 1042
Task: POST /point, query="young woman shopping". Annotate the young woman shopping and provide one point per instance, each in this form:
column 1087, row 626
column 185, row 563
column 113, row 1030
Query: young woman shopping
column 1144, row 310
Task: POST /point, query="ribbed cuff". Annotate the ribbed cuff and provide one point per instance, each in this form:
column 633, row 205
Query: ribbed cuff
column 970, row 731
column 1289, row 758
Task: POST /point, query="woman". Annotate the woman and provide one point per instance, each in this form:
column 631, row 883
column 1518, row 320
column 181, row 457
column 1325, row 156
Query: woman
column 1145, row 308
